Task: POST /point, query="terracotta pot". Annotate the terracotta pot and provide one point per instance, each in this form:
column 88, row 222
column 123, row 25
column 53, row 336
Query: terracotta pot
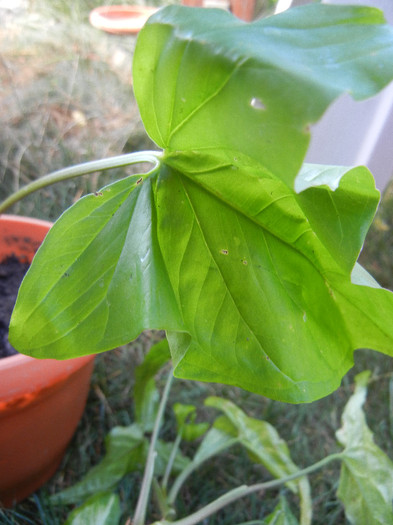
column 121, row 19
column 244, row 9
column 193, row 3
column 41, row 401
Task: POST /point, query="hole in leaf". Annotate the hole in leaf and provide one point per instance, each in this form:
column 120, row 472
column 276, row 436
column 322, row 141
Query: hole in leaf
column 257, row 103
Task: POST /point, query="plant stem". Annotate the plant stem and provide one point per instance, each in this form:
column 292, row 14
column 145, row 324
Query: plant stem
column 81, row 169
column 171, row 460
column 305, row 501
column 245, row 490
column 141, row 507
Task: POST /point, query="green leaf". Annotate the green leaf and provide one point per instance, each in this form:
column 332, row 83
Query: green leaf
column 219, row 437
column 366, row 480
column 185, row 419
column 265, row 446
column 348, row 209
column 261, row 440
column 125, row 452
column 267, row 293
column 164, row 449
column 101, row 509
column 251, row 280
column 207, row 82
column 105, row 281
column 146, row 395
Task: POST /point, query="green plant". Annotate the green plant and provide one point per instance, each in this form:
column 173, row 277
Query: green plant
column 365, row 468
column 246, row 257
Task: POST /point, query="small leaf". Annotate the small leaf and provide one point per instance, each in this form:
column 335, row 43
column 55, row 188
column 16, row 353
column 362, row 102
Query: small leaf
column 183, row 413
column 125, row 453
column 164, row 449
column 101, row 509
column 222, row 435
column 265, row 446
column 185, row 418
column 347, row 209
column 146, row 395
column 366, row 480
column 260, row 439
column 219, row 437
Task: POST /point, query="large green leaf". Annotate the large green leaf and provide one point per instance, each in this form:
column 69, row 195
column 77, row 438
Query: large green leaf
column 249, row 271
column 207, row 82
column 105, row 281
column 366, row 480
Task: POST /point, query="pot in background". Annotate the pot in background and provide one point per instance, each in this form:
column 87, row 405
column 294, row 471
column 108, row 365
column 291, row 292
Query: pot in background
column 41, row 400
column 120, row 19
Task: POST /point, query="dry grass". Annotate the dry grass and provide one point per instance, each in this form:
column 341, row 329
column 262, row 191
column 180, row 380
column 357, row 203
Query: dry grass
column 66, row 97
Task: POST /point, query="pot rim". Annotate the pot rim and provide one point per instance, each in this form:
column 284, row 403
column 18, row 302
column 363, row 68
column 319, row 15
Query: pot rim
column 121, row 19
column 22, row 219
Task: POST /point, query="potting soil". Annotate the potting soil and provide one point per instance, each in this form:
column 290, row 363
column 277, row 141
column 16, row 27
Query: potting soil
column 12, row 272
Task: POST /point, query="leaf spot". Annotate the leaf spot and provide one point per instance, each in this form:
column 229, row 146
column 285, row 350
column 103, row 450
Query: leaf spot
column 244, row 261
column 224, row 252
column 257, row 103
column 98, row 193
column 139, row 181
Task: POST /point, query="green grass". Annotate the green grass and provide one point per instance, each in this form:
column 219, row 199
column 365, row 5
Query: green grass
column 66, row 97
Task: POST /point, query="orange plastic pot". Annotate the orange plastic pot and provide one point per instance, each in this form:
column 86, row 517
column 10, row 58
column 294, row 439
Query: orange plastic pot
column 41, row 401
column 120, row 19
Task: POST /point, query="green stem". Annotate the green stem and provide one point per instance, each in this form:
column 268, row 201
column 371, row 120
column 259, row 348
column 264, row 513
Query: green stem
column 245, row 490
column 305, row 501
column 81, row 169
column 141, row 507
column 171, row 460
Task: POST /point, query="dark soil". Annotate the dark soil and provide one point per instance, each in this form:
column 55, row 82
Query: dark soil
column 12, row 272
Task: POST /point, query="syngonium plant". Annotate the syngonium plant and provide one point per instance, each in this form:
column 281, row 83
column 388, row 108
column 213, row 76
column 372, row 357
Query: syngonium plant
column 244, row 255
